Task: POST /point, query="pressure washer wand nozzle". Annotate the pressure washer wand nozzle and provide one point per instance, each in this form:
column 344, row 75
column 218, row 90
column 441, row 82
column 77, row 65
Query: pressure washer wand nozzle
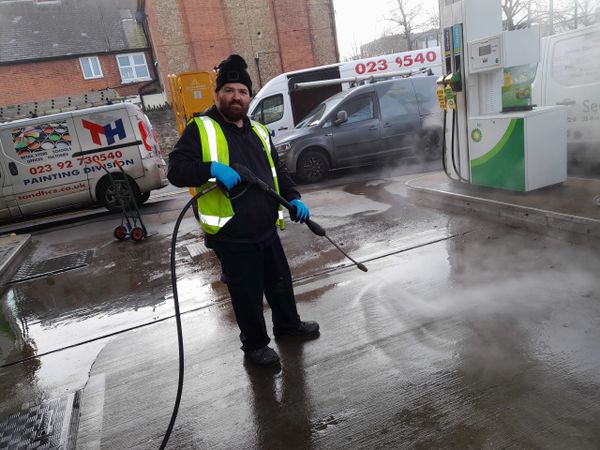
column 251, row 178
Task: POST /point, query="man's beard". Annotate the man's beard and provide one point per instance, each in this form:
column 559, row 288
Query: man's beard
column 231, row 114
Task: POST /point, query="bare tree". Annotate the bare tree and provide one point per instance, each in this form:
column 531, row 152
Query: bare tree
column 564, row 15
column 517, row 13
column 433, row 23
column 552, row 15
column 405, row 17
column 583, row 12
column 356, row 52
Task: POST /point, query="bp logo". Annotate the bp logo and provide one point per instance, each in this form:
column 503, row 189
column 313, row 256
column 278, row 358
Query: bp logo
column 476, row 135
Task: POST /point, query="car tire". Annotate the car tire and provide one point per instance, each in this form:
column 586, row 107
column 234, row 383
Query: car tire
column 107, row 192
column 312, row 166
column 430, row 145
column 143, row 198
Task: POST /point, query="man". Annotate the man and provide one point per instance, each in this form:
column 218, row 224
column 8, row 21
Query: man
column 240, row 224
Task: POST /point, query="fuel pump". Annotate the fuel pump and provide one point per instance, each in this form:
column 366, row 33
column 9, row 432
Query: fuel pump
column 493, row 136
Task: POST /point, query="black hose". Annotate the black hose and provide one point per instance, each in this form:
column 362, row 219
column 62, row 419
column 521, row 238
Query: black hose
column 453, row 140
column 444, row 146
column 316, row 228
column 455, row 122
column 178, row 314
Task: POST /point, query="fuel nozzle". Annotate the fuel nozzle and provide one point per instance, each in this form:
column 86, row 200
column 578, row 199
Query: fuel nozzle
column 441, row 96
column 454, row 80
column 452, row 85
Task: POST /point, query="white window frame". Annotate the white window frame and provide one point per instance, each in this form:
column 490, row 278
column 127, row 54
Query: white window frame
column 132, row 65
column 94, row 75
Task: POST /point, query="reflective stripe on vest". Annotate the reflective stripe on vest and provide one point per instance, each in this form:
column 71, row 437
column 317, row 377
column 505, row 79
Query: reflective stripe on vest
column 215, row 208
column 263, row 134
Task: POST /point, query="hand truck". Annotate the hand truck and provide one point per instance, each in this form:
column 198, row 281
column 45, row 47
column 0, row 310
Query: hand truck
column 131, row 220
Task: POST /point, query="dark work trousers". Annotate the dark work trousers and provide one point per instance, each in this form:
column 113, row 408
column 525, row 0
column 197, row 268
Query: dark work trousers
column 251, row 271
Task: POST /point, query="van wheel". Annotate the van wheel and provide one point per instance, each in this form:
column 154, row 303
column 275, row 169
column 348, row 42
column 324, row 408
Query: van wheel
column 143, row 198
column 112, row 194
column 430, row 145
column 312, row 166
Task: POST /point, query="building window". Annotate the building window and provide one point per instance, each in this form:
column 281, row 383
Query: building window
column 90, row 66
column 133, row 67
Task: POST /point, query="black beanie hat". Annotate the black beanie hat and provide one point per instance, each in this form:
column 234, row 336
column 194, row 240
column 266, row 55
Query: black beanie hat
column 233, row 70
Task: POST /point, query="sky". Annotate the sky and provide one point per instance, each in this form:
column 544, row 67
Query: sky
column 362, row 21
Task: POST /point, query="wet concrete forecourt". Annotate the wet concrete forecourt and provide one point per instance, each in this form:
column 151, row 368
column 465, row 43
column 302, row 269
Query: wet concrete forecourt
column 476, row 327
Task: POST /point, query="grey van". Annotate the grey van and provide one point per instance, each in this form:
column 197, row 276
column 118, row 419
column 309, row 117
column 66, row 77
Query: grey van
column 356, row 126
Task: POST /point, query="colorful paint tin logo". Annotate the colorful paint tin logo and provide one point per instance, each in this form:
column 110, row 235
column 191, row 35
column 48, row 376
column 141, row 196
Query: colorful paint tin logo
column 41, row 140
column 476, row 135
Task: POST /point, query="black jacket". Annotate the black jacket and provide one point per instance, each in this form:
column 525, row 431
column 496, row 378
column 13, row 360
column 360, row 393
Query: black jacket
column 255, row 211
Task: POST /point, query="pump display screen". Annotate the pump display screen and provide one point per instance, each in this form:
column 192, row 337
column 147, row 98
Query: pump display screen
column 485, row 50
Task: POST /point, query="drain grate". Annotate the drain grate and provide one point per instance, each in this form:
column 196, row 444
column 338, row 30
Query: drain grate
column 51, row 425
column 53, row 265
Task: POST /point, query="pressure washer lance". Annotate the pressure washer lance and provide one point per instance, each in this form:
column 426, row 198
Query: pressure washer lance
column 251, row 179
column 247, row 174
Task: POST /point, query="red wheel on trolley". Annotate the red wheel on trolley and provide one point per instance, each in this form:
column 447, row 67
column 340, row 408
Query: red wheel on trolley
column 120, row 232
column 137, row 234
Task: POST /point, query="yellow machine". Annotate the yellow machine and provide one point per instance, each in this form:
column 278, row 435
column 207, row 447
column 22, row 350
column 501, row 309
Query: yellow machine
column 191, row 93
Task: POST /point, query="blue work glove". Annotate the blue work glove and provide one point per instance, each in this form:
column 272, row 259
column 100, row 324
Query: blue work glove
column 224, row 174
column 301, row 213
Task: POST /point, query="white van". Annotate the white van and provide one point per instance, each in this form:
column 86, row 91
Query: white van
column 568, row 75
column 280, row 106
column 51, row 162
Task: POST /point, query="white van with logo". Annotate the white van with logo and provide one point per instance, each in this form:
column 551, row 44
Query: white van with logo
column 280, row 105
column 54, row 162
column 568, row 75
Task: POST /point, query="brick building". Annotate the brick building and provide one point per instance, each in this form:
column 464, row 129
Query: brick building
column 67, row 51
column 273, row 36
column 61, row 53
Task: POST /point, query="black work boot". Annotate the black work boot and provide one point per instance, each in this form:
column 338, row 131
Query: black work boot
column 307, row 329
column 264, row 356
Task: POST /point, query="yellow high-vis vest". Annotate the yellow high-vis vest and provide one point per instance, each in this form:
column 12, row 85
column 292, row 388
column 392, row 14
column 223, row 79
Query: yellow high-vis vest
column 215, row 208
